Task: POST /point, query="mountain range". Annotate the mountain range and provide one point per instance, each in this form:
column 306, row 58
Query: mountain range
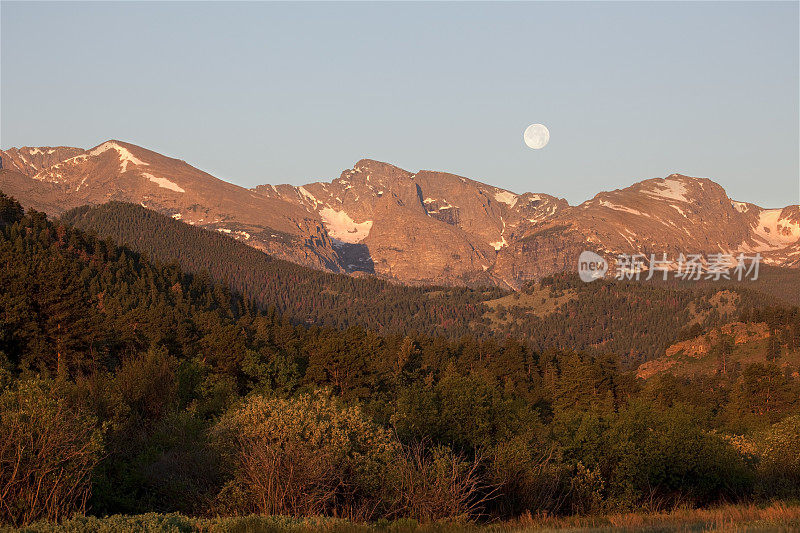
column 416, row 228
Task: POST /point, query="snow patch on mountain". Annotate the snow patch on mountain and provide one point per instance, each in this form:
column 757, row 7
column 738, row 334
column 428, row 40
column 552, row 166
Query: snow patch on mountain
column 74, row 159
column 163, row 182
column 502, row 242
column 52, row 174
column 628, row 235
column 308, row 196
column 343, row 228
column 679, row 210
column 508, row 198
column 617, row 207
column 672, row 189
column 440, row 205
column 739, row 206
column 499, row 244
column 125, row 156
column 774, row 231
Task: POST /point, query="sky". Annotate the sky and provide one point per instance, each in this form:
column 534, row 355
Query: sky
column 259, row 92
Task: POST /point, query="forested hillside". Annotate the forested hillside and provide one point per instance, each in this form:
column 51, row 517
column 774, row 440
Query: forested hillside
column 634, row 320
column 150, row 389
column 154, row 355
column 300, row 293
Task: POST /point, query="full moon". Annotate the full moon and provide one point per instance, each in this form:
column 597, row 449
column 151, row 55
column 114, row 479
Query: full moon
column 536, row 136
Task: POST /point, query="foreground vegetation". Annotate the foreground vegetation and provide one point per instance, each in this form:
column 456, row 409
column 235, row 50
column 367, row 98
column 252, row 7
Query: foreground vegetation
column 130, row 387
column 775, row 517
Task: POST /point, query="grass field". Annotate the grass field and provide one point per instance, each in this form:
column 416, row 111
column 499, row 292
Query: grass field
column 538, row 302
column 733, row 518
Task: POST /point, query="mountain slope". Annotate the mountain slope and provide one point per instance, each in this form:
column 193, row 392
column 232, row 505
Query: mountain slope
column 637, row 320
column 674, row 215
column 301, row 294
column 730, row 348
column 31, row 160
column 124, row 172
column 416, row 228
column 38, row 195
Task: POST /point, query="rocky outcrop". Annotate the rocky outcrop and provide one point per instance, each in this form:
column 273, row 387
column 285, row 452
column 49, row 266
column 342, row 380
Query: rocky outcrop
column 30, row 160
column 700, row 347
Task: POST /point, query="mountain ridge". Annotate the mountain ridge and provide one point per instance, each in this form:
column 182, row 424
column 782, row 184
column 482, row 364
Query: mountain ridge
column 424, row 227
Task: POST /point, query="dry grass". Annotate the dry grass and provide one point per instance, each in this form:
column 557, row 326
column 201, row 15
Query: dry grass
column 730, row 518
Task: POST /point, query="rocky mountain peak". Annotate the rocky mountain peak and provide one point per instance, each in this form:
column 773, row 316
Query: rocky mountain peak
column 415, row 227
column 380, row 169
column 30, row 160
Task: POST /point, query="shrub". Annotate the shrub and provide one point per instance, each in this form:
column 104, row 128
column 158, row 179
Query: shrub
column 435, row 484
column 527, row 476
column 667, row 456
column 302, row 456
column 587, row 490
column 171, row 469
column 779, row 459
column 648, row 457
column 162, row 523
column 47, row 453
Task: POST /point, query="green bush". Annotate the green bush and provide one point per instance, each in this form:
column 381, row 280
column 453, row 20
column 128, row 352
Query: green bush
column 158, row 456
column 144, row 523
column 48, row 451
column 779, row 459
column 667, row 456
column 177, row 523
column 527, row 475
column 646, row 457
column 302, row 456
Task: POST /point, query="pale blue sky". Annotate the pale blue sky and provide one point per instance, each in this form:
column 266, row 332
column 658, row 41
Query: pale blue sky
column 275, row 92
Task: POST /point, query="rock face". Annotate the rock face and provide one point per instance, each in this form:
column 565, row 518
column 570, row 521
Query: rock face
column 29, row 161
column 428, row 227
column 424, row 227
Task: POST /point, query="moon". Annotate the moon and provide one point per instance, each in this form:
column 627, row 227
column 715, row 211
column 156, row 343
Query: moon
column 536, row 136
